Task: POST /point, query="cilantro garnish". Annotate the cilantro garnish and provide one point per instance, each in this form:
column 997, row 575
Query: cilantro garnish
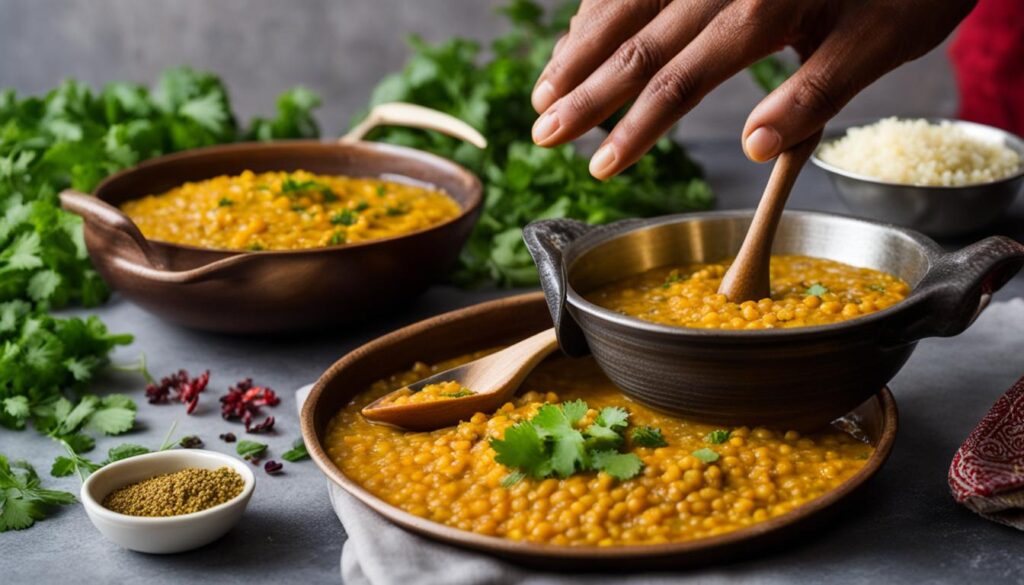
column 362, row 206
column 648, row 437
column 876, row 287
column 816, row 290
column 292, row 186
column 706, row 455
column 550, row 444
column 337, row 238
column 344, row 217
column 23, row 500
column 717, row 437
column 298, row 452
column 459, row 394
column 394, row 211
column 225, row 202
column 250, row 450
column 671, row 279
column 255, row 247
column 381, row 191
column 328, row 195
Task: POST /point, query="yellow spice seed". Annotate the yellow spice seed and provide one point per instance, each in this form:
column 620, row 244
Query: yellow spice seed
column 173, row 494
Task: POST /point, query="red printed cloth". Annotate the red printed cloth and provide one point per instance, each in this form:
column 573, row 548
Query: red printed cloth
column 987, row 474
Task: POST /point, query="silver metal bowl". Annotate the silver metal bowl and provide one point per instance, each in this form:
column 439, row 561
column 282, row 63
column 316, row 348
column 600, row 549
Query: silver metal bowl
column 801, row 377
column 936, row 211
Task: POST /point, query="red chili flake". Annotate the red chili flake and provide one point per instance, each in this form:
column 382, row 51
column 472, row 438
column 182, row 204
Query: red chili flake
column 243, row 402
column 266, row 425
column 185, row 388
column 273, row 467
column 228, row 437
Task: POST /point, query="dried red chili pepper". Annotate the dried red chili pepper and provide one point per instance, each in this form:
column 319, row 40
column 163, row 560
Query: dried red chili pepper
column 244, row 400
column 273, row 467
column 185, row 389
column 228, row 437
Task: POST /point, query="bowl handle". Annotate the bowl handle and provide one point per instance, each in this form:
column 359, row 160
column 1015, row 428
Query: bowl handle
column 960, row 284
column 129, row 248
column 547, row 240
column 402, row 114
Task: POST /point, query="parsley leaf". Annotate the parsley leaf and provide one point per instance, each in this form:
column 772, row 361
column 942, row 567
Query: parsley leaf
column 298, row 452
column 23, row 500
column 706, row 455
column 717, row 437
column 816, row 290
column 648, row 437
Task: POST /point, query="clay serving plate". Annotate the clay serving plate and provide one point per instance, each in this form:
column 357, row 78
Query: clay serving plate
column 508, row 320
column 801, row 377
column 240, row 291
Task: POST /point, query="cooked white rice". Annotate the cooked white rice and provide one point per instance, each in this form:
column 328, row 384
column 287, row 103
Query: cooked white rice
column 916, row 152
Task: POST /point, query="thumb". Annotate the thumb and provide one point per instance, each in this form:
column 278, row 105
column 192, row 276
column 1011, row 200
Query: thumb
column 842, row 66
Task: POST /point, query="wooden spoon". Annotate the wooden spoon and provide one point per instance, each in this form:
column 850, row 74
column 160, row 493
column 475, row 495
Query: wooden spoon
column 493, row 380
column 747, row 277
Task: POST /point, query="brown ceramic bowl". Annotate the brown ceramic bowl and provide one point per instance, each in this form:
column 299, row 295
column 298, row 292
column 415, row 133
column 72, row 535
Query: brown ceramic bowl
column 509, row 320
column 233, row 291
column 801, row 377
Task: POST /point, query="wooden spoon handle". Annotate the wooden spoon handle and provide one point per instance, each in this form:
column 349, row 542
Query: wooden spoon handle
column 747, row 278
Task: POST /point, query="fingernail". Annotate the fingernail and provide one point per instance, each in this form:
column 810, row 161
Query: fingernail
column 763, row 144
column 602, row 161
column 543, row 96
column 545, row 126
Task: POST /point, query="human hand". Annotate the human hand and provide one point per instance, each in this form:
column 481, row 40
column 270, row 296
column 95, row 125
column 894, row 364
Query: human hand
column 668, row 55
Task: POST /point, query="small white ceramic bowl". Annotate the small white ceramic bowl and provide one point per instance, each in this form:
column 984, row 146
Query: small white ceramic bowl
column 172, row 534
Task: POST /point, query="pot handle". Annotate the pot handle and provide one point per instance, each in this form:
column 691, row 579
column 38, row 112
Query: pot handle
column 547, row 240
column 130, row 249
column 412, row 115
column 960, row 285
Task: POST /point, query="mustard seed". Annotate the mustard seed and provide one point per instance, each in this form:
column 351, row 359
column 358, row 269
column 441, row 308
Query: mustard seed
column 173, row 494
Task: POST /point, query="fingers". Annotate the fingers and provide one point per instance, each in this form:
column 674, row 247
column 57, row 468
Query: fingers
column 594, row 33
column 855, row 54
column 738, row 36
column 623, row 75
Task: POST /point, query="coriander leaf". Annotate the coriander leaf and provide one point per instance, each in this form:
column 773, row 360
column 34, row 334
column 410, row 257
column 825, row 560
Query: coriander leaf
column 601, row 437
column 112, row 420
column 816, row 290
column 706, row 455
column 79, row 443
column 769, row 73
column 521, row 447
column 621, row 466
column 717, row 437
column 16, row 407
column 568, row 453
column 62, row 467
column 250, row 449
column 23, row 500
column 124, row 451
column 574, row 410
column 512, row 479
column 298, row 452
column 647, row 436
column 613, row 417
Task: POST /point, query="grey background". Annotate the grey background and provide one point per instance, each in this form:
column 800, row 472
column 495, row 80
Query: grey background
column 340, row 48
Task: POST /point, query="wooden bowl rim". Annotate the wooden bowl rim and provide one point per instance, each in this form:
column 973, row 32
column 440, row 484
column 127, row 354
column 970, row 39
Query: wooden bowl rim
column 474, row 192
column 503, row 546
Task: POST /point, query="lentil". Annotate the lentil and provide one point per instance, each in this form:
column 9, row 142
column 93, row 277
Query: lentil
column 430, row 393
column 287, row 211
column 450, row 475
column 805, row 292
column 173, row 494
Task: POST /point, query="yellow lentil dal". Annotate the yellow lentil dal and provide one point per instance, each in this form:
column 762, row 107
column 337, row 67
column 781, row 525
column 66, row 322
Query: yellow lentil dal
column 287, row 211
column 450, row 475
column 804, row 291
column 430, row 393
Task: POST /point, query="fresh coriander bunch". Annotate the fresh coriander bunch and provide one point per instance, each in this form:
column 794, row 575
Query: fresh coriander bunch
column 523, row 181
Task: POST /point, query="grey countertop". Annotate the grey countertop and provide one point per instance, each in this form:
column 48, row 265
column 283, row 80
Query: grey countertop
column 905, row 528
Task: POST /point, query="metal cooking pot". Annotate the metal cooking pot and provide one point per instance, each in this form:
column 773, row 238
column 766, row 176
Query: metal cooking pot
column 799, row 378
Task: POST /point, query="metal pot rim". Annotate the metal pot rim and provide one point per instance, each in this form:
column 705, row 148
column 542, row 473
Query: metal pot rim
column 588, row 241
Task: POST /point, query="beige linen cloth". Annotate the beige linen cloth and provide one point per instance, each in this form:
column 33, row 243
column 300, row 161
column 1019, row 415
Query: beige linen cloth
column 380, row 553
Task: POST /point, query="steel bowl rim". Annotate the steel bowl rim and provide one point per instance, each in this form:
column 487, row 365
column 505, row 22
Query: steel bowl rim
column 475, row 191
column 1007, row 136
column 495, row 544
column 575, row 300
